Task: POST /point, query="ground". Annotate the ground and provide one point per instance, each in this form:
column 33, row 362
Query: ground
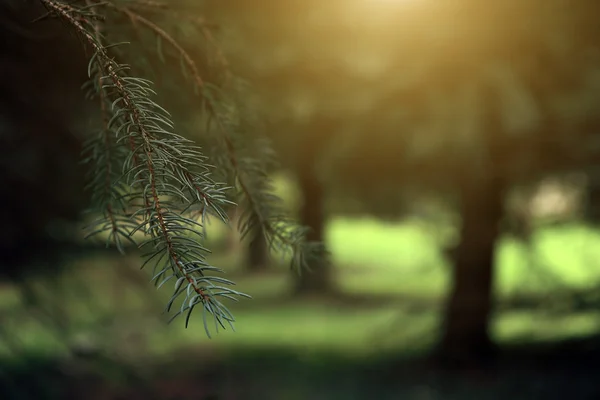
column 393, row 279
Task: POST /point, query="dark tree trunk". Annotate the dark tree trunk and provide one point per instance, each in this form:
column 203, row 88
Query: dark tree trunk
column 466, row 321
column 231, row 243
column 318, row 279
column 258, row 254
column 592, row 204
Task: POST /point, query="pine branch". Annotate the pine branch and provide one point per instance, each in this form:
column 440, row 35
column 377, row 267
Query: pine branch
column 164, row 173
column 107, row 158
column 264, row 212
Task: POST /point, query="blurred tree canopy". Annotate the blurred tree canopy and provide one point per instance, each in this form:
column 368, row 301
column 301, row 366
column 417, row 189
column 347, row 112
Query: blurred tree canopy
column 461, row 98
column 424, row 80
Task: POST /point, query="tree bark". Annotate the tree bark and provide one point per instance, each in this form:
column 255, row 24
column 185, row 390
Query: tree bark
column 592, row 204
column 318, row 279
column 466, row 335
column 232, row 237
column 256, row 251
column 257, row 259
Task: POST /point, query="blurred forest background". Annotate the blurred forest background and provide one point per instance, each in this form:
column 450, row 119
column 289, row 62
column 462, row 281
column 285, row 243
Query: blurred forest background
column 446, row 153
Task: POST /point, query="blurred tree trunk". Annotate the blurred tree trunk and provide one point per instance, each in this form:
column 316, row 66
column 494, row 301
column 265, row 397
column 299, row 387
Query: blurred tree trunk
column 592, row 203
column 467, row 316
column 257, row 256
column 232, row 236
column 319, row 279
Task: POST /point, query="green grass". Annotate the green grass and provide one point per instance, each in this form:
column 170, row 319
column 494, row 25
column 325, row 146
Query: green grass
column 371, row 259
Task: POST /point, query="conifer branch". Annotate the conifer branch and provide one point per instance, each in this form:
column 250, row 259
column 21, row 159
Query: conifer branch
column 164, row 173
column 107, row 158
column 263, row 211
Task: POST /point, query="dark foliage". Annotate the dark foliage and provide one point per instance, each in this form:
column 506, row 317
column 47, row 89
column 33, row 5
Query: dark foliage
column 42, row 68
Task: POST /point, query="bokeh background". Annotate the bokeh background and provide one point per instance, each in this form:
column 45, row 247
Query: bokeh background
column 446, row 153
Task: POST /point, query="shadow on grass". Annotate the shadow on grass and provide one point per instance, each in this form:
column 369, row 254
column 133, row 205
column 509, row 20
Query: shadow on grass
column 551, row 371
column 343, row 301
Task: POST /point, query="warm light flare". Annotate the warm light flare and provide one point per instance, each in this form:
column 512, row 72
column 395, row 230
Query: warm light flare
column 386, row 9
column 393, row 2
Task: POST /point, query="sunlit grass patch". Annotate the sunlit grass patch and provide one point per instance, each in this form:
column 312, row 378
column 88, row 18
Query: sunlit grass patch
column 371, row 259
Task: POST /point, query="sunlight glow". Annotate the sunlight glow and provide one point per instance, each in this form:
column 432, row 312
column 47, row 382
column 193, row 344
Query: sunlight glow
column 388, row 11
column 389, row 5
column 393, row 2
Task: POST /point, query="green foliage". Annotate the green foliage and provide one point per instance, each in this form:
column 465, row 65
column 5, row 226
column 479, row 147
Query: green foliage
column 145, row 177
column 419, row 103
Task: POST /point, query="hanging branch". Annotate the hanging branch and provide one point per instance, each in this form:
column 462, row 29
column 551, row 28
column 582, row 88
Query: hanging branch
column 106, row 157
column 262, row 210
column 164, row 175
